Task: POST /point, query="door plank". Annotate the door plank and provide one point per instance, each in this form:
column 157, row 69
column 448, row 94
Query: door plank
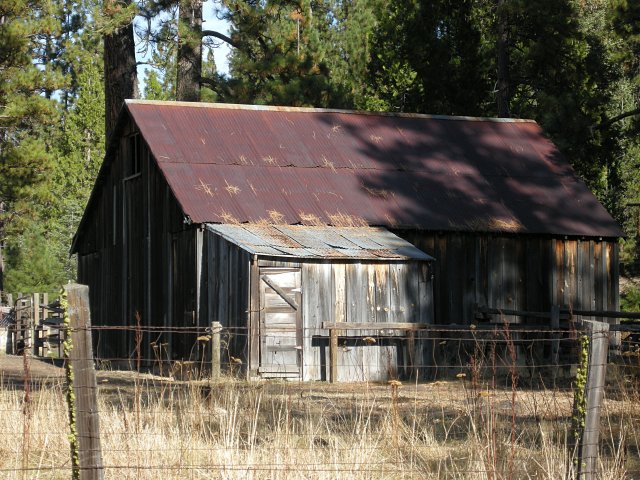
column 279, row 291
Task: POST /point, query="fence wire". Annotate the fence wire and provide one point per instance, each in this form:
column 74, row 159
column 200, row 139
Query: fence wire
column 492, row 403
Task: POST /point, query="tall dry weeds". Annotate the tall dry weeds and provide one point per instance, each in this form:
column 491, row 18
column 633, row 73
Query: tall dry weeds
column 154, row 428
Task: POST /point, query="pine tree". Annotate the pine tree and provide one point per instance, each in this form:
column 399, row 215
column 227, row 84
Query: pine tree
column 189, row 60
column 347, row 39
column 279, row 57
column 625, row 23
column 38, row 253
column 25, row 113
column 161, row 47
column 430, row 57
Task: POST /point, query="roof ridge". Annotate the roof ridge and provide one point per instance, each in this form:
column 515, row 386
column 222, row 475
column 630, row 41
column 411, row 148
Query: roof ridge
column 274, row 108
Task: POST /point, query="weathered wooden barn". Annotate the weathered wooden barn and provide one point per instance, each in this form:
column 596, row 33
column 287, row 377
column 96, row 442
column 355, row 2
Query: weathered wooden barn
column 274, row 220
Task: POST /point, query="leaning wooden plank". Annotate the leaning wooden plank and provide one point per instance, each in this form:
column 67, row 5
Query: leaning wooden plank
column 279, row 291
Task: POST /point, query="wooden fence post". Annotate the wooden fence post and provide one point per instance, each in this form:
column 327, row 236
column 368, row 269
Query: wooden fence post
column 333, row 355
column 555, row 343
column 35, row 303
column 80, row 356
column 598, row 333
column 216, row 328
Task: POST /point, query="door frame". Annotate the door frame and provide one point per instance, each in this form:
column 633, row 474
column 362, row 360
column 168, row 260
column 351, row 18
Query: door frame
column 295, row 303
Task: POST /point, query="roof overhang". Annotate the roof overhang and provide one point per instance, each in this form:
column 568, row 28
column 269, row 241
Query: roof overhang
column 319, row 242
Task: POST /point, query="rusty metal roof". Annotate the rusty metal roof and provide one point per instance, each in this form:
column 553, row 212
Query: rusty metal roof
column 309, row 242
column 246, row 164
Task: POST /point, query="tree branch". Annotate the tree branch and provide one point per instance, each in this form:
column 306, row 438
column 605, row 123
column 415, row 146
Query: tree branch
column 221, row 36
column 220, row 88
column 617, row 118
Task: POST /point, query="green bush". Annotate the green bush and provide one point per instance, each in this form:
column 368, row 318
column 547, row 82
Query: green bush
column 630, row 300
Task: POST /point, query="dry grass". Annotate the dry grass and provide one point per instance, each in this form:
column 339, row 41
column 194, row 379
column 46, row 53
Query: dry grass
column 340, row 219
column 277, row 430
column 310, row 219
column 227, row 217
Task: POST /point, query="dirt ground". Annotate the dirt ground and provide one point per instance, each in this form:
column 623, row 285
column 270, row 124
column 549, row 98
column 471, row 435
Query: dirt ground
column 449, row 396
column 12, row 370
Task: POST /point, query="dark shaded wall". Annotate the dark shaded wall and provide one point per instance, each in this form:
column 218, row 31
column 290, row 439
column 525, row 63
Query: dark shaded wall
column 519, row 272
column 225, row 283
column 133, row 249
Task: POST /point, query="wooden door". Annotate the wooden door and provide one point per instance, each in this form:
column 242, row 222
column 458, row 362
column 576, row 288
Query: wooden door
column 280, row 323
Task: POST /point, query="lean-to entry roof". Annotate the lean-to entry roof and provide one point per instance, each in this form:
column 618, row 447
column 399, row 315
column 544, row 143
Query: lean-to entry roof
column 312, row 242
column 271, row 165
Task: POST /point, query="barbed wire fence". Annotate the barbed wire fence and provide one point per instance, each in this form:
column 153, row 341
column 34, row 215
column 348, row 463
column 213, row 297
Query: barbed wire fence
column 499, row 403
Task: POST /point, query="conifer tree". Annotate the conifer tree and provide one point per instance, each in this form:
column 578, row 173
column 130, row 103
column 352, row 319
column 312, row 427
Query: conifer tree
column 25, row 112
column 430, row 57
column 279, row 57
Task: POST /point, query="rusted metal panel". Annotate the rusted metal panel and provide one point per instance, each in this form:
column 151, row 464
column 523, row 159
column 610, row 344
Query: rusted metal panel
column 288, row 166
column 308, row 242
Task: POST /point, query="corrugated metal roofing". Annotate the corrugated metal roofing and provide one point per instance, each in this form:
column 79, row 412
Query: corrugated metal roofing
column 308, row 242
column 239, row 164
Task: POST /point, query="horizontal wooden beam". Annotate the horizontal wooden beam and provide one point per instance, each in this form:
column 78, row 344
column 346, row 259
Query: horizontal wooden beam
column 375, row 326
column 565, row 313
column 519, row 313
column 606, row 314
column 433, row 327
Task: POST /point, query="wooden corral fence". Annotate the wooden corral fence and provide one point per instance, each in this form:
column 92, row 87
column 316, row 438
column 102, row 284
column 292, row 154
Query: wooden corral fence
column 589, row 396
column 561, row 321
column 33, row 324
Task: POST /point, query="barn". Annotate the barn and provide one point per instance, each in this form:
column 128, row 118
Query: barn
column 275, row 221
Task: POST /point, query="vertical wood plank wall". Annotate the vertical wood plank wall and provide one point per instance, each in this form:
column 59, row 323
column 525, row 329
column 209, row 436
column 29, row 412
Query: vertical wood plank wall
column 360, row 292
column 518, row 272
column 225, row 282
column 128, row 251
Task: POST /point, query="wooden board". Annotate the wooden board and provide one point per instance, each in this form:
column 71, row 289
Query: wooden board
column 280, row 322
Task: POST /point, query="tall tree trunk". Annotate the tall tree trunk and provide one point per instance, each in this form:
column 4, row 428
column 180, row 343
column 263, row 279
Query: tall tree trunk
column 2, row 223
column 189, row 51
column 1, row 265
column 120, row 75
column 2, row 231
column 503, row 87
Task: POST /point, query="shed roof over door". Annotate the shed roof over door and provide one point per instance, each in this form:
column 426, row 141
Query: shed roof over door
column 239, row 164
column 328, row 243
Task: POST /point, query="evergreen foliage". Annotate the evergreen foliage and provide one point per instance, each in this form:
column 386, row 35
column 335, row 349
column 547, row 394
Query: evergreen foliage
column 572, row 65
column 25, row 113
column 280, row 57
column 51, row 156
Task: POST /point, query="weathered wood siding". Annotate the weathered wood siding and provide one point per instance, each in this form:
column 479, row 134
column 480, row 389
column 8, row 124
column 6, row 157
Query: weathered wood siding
column 132, row 250
column 360, row 292
column 519, row 272
column 224, row 294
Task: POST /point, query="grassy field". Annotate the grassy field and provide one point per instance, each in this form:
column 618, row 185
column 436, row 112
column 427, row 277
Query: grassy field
column 153, row 427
